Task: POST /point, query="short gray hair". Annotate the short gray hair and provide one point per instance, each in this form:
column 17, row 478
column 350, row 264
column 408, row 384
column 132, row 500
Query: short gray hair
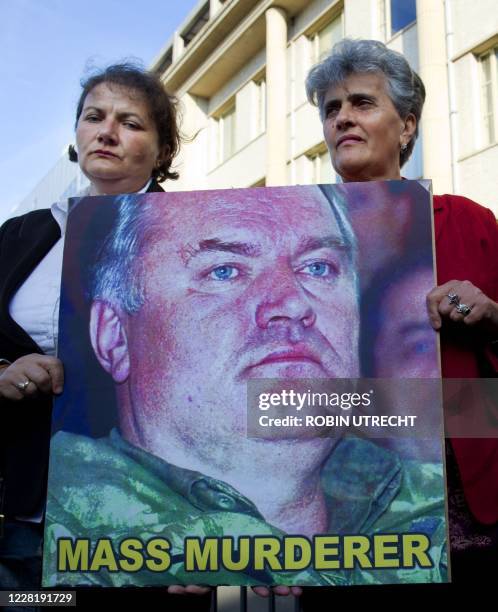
column 347, row 57
column 338, row 203
column 117, row 276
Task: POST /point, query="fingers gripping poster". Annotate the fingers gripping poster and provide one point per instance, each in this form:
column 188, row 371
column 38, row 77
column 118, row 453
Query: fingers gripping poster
column 252, row 391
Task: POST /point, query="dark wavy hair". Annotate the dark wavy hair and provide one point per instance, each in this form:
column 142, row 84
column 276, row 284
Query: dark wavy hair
column 163, row 108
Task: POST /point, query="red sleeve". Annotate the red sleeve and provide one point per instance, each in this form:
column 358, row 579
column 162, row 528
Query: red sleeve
column 466, row 249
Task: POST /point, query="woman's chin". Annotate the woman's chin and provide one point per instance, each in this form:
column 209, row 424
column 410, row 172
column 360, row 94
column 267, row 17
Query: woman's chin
column 98, row 174
column 350, row 171
column 357, row 170
column 349, row 163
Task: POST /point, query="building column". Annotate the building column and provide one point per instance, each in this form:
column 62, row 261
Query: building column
column 276, row 97
column 178, row 46
column 436, row 142
column 214, row 7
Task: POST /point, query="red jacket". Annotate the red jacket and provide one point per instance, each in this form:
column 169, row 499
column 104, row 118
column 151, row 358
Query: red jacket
column 467, row 249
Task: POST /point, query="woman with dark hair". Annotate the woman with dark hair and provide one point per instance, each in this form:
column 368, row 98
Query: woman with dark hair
column 126, row 140
column 125, row 82
column 370, row 103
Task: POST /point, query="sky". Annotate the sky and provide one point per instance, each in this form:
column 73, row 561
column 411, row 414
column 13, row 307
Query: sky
column 47, row 45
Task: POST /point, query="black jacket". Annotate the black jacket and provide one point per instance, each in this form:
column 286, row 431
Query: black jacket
column 25, row 425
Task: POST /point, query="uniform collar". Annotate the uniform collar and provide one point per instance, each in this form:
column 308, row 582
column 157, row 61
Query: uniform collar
column 360, row 479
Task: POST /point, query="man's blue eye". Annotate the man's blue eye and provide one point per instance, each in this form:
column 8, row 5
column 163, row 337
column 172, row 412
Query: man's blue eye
column 318, row 268
column 224, row 273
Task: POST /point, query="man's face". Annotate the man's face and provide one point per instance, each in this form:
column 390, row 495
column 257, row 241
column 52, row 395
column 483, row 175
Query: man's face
column 406, row 344
column 237, row 287
column 406, row 348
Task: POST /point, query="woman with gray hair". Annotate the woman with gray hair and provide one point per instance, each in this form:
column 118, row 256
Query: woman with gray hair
column 381, row 95
column 370, row 103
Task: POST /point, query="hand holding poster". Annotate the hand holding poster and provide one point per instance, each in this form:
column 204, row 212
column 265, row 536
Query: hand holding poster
column 192, row 299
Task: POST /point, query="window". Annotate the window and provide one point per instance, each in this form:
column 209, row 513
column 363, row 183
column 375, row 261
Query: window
column 326, row 170
column 403, row 12
column 196, row 24
column 396, row 15
column 165, row 62
column 225, row 135
column 323, row 172
column 489, row 94
column 326, row 38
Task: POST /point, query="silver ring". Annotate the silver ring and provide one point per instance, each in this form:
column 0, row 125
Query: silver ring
column 23, row 385
column 463, row 309
column 453, row 298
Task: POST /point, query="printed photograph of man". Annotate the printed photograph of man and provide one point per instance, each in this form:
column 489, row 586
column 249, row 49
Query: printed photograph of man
column 397, row 345
column 192, row 296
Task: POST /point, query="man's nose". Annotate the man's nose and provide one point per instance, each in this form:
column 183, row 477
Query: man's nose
column 284, row 303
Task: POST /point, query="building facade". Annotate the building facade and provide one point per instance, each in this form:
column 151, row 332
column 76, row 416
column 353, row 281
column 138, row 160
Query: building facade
column 238, row 67
column 64, row 180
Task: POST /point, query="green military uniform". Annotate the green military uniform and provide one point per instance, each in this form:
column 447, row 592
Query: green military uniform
column 108, row 488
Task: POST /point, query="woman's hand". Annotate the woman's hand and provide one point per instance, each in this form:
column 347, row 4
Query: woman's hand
column 191, row 589
column 449, row 301
column 278, row 590
column 30, row 375
column 262, row 591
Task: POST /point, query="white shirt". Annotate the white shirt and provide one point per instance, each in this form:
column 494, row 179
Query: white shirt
column 35, row 305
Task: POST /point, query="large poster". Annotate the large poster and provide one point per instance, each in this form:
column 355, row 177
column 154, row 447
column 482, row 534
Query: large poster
column 251, row 391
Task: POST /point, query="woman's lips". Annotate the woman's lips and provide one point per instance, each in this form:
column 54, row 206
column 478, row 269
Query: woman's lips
column 348, row 140
column 102, row 153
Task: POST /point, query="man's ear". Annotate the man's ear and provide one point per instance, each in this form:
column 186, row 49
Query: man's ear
column 109, row 341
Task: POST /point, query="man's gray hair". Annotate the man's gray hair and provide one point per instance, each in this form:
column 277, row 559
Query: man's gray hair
column 338, row 203
column 117, row 275
column 348, row 57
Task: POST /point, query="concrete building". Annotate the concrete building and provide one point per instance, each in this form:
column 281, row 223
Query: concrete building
column 238, row 66
column 62, row 181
